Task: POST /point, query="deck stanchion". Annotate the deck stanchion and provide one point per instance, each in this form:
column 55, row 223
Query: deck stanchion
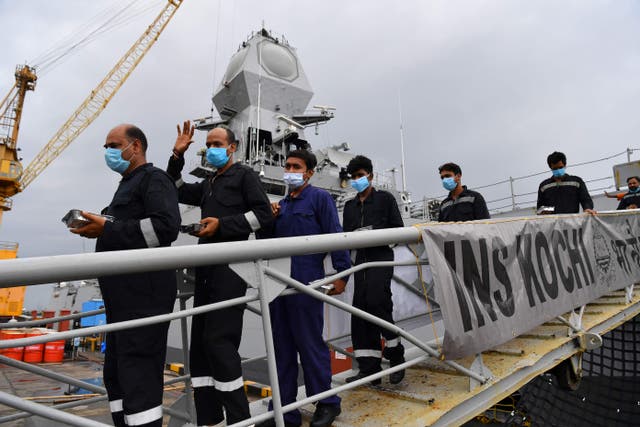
column 268, row 340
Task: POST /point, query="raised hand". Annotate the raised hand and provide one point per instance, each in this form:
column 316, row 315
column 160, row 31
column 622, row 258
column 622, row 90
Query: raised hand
column 184, row 138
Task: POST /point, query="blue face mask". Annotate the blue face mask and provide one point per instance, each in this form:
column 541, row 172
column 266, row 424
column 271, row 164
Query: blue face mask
column 293, row 179
column 634, row 190
column 449, row 183
column 557, row 173
column 113, row 157
column 360, row 184
column 217, row 156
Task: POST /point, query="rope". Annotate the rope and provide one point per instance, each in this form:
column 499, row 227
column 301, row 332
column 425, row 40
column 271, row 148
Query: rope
column 426, row 295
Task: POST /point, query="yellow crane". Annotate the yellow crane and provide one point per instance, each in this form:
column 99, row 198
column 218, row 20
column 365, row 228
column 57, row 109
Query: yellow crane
column 13, row 179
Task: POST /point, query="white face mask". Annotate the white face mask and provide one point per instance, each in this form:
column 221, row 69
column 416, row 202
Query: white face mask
column 293, row 179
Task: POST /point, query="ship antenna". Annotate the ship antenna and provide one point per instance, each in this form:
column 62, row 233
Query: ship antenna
column 215, row 54
column 259, row 90
column 402, row 161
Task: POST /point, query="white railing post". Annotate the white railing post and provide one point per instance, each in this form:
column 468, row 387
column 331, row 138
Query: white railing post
column 268, row 341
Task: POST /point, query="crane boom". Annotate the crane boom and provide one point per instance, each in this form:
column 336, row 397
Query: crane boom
column 10, row 114
column 98, row 99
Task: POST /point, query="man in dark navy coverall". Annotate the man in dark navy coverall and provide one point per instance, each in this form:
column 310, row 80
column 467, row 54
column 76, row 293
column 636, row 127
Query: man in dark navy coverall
column 233, row 205
column 564, row 192
column 631, row 200
column 461, row 204
column 372, row 209
column 145, row 212
column 298, row 320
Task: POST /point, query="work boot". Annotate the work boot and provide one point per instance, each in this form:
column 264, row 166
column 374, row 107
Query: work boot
column 397, row 376
column 324, row 415
column 361, row 375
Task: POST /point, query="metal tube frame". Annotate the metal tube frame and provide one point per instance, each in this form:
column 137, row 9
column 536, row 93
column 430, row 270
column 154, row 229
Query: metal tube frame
column 44, row 321
column 40, row 270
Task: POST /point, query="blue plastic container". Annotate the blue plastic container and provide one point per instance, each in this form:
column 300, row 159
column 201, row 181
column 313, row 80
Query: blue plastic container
column 99, row 319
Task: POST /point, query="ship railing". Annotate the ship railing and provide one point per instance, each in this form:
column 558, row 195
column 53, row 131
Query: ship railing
column 500, row 199
column 255, row 254
column 48, row 320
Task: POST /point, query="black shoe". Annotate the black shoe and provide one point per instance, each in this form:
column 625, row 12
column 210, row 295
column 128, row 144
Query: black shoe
column 272, row 423
column 398, row 376
column 324, row 415
column 359, row 376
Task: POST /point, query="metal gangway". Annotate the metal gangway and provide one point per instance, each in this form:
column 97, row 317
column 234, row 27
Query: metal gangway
column 435, row 392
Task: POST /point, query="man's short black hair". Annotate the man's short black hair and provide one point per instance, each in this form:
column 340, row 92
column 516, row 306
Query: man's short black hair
column 633, row 177
column 231, row 137
column 307, row 156
column 450, row 167
column 135, row 132
column 556, row 157
column 359, row 162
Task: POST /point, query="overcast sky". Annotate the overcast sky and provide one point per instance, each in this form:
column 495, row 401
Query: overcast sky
column 492, row 85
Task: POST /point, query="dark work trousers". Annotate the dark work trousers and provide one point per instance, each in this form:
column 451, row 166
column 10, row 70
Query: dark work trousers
column 134, row 374
column 297, row 322
column 372, row 293
column 216, row 371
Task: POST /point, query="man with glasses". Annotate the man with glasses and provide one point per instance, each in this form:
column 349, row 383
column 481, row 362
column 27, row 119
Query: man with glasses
column 372, row 209
column 145, row 215
column 563, row 192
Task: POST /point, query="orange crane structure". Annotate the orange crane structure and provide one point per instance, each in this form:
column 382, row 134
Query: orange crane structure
column 13, row 178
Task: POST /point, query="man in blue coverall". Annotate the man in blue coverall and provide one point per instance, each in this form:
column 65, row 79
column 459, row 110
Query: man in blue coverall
column 298, row 319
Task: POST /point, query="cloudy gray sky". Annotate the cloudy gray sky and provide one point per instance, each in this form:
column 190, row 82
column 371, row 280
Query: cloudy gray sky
column 492, row 85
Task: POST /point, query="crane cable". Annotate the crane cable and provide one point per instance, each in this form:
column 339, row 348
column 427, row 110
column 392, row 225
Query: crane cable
column 69, row 45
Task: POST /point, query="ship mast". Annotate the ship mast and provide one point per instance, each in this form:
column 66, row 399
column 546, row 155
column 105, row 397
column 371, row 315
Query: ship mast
column 402, row 160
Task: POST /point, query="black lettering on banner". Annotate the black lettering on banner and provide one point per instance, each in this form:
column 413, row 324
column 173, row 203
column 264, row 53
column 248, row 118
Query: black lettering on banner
column 619, row 248
column 585, row 256
column 575, row 257
column 542, row 246
column 505, row 304
column 527, row 270
column 557, row 240
column 474, row 282
column 450, row 256
column 635, row 250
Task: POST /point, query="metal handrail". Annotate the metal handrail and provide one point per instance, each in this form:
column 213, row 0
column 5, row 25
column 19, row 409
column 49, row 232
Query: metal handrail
column 46, row 320
column 36, row 270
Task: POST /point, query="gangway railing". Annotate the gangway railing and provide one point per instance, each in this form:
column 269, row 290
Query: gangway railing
column 32, row 271
column 513, row 199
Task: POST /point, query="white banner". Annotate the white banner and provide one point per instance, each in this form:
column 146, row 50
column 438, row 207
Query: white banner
column 495, row 280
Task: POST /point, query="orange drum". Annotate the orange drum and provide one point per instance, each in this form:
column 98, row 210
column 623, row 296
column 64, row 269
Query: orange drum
column 64, row 325
column 33, row 353
column 54, row 350
column 10, row 334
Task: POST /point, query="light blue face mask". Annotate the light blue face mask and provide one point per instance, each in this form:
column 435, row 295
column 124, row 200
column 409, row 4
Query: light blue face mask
column 293, row 179
column 113, row 157
column 217, row 156
column 360, row 184
column 557, row 173
column 449, row 183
